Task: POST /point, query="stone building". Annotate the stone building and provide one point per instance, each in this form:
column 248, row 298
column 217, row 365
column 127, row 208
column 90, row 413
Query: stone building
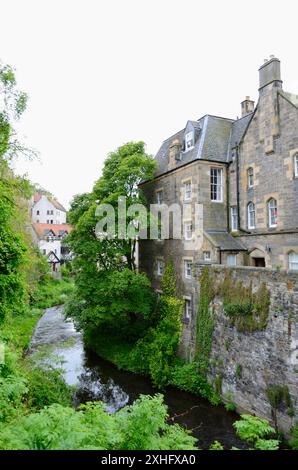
column 237, row 181
column 49, row 229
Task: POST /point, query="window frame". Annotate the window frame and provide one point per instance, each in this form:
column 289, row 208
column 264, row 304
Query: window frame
column 187, row 192
column 204, row 255
column 249, row 212
column 269, row 211
column 185, row 231
column 160, row 267
column 296, row 165
column 290, row 262
column 250, row 175
column 234, row 218
column 234, row 255
column 187, row 262
column 216, row 186
column 187, row 309
column 189, row 137
column 159, row 193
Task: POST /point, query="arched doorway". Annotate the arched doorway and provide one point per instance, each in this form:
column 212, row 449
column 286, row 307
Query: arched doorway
column 257, row 258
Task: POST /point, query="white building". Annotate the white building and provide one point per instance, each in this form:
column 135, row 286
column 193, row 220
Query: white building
column 50, row 229
column 47, row 211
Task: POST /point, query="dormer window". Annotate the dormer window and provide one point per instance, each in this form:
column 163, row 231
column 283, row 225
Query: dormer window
column 189, row 141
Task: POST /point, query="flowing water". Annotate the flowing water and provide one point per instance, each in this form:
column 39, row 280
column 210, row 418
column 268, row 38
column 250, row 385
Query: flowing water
column 96, row 379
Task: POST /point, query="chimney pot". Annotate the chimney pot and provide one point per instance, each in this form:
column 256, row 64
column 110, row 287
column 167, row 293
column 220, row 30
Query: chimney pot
column 247, row 106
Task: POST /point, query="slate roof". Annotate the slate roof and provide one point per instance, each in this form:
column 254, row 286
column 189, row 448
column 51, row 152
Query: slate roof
column 215, row 136
column 224, row 241
column 57, row 204
column 238, row 129
column 290, row 97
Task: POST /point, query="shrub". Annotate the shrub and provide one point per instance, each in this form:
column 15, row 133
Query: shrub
column 141, row 426
column 187, row 376
column 46, row 387
column 255, row 431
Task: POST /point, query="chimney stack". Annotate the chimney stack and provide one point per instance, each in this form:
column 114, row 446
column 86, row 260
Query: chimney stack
column 269, row 72
column 247, row 106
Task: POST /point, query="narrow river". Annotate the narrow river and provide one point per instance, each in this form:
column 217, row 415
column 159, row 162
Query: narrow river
column 96, row 379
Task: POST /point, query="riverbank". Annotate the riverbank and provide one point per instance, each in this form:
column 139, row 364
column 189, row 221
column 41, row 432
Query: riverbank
column 96, row 379
column 24, row 386
column 183, row 376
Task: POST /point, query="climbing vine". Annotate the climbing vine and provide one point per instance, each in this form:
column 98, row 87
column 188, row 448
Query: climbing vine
column 247, row 310
column 279, row 399
column 205, row 321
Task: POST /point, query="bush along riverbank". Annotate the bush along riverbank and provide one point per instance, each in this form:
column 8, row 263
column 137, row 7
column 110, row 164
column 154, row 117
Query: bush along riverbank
column 154, row 355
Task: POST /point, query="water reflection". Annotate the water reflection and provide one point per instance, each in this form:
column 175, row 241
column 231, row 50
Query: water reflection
column 96, row 379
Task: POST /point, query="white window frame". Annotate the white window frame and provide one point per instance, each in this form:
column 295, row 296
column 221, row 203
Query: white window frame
column 189, row 141
column 293, row 264
column 188, row 268
column 187, row 190
column 159, row 197
column 207, row 255
column 187, row 309
column 234, row 219
column 272, row 219
column 160, row 267
column 229, row 257
column 250, row 177
column 296, row 165
column 216, row 175
column 251, row 209
column 188, row 230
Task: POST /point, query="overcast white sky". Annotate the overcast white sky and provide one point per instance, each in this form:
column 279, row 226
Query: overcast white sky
column 101, row 73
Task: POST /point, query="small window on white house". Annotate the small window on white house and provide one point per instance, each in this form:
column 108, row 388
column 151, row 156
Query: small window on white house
column 234, row 219
column 187, row 309
column 250, row 177
column 216, row 184
column 159, row 196
column 189, row 141
column 231, row 260
column 48, row 221
column 188, row 230
column 251, row 215
column 272, row 212
column 293, row 261
column 207, row 256
column 296, row 165
column 48, row 212
column 188, row 269
column 187, row 191
column 37, row 212
column 160, row 265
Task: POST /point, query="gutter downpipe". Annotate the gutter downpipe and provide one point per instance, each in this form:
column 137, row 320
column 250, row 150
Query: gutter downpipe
column 238, row 191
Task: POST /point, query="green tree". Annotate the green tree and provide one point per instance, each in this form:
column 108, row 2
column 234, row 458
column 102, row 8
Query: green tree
column 108, row 290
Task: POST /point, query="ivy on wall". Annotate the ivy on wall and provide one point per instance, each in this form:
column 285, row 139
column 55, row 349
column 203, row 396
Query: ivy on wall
column 205, row 321
column 247, row 310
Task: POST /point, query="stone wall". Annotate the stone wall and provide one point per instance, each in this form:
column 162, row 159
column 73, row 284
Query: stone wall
column 248, row 363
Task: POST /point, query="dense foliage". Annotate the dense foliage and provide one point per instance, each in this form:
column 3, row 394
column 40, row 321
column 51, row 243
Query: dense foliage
column 90, row 428
column 256, row 431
